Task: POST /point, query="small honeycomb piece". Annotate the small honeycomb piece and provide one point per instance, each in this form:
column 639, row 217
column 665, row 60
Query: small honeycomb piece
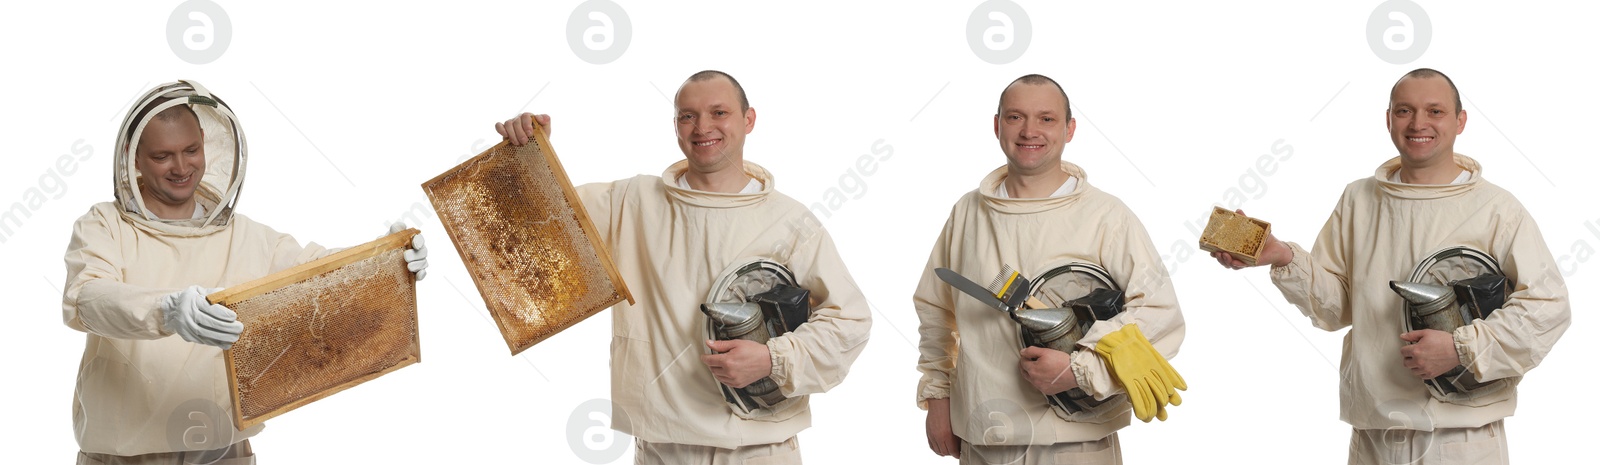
column 1240, row 235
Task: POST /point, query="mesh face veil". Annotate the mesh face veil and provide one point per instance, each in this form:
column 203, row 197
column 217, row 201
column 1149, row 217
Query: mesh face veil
column 218, row 189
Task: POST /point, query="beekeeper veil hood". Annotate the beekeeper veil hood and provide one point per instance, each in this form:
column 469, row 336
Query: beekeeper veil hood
column 224, row 144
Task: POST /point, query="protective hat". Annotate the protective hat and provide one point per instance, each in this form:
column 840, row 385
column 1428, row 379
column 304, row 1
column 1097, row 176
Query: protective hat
column 224, row 147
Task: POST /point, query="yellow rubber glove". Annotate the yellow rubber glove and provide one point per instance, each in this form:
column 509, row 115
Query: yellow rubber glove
column 1150, row 381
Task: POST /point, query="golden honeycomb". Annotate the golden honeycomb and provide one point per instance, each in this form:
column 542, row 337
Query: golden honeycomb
column 322, row 327
column 527, row 241
column 1240, row 235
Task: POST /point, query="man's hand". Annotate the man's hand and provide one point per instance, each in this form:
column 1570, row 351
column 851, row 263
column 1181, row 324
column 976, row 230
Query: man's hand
column 941, row 438
column 1431, row 353
column 1049, row 370
column 738, row 363
column 1274, row 253
column 519, row 130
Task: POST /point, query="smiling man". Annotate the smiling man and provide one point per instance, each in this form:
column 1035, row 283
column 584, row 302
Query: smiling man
column 171, row 159
column 1447, row 286
column 152, row 385
column 675, row 238
column 985, row 394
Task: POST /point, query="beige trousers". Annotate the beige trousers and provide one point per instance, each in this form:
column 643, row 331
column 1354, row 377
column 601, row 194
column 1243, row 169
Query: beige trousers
column 1106, row 451
column 237, row 454
column 654, row 453
column 1445, row 446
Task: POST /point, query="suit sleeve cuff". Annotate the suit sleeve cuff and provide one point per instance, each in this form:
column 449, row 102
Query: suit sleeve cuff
column 780, row 365
column 1092, row 374
column 1464, row 338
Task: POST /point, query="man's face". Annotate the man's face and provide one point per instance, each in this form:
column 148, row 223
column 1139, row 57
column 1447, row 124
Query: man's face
column 711, row 127
column 1032, row 127
column 1423, row 119
column 171, row 159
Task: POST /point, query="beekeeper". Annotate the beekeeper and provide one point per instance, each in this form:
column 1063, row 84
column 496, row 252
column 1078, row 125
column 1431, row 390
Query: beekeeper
column 984, row 393
column 152, row 386
column 1424, row 209
column 671, row 237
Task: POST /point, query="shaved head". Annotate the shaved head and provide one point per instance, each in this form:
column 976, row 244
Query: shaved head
column 744, row 102
column 1428, row 73
column 169, row 114
column 1040, row 80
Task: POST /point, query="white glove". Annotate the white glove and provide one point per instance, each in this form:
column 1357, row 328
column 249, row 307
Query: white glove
column 188, row 314
column 417, row 257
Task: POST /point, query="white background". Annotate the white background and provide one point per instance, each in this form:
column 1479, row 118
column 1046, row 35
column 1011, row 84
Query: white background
column 348, row 108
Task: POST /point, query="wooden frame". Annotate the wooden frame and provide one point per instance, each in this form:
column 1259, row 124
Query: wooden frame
column 583, row 214
column 1240, row 235
column 504, row 317
column 234, row 295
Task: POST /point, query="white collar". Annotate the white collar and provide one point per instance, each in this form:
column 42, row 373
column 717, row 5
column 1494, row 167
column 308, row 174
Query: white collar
column 1460, row 178
column 754, row 187
column 1066, row 188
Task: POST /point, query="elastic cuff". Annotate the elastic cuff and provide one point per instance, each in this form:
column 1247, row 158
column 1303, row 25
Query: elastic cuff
column 1463, row 341
column 166, row 316
column 1080, row 376
column 928, row 391
column 1296, row 260
column 1082, row 372
column 780, row 369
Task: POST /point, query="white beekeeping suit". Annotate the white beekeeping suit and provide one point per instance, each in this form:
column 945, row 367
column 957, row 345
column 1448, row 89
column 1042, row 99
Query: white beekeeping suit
column 670, row 243
column 969, row 352
column 138, row 383
column 1380, row 230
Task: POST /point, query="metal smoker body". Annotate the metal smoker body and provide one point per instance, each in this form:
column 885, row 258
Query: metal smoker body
column 1082, row 294
column 1448, row 290
column 755, row 300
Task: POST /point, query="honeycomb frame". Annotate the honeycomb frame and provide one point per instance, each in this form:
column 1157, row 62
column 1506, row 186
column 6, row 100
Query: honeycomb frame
column 379, row 327
column 527, row 240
